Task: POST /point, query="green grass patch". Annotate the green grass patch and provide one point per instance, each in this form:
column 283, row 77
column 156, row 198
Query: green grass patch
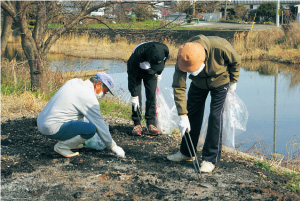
column 148, row 24
column 10, row 88
column 264, row 166
column 294, row 181
column 111, row 107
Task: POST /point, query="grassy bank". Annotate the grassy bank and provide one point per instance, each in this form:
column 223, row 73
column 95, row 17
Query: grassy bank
column 17, row 99
column 87, row 46
column 273, row 45
column 280, row 45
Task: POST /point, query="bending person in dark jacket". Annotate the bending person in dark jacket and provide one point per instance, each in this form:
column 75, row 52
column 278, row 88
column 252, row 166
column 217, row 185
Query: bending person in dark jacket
column 214, row 68
column 146, row 63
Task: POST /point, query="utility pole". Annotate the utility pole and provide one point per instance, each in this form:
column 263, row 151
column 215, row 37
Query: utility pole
column 277, row 13
column 225, row 10
column 193, row 8
column 275, row 109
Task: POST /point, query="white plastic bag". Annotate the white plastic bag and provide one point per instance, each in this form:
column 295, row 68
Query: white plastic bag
column 166, row 114
column 95, row 143
column 235, row 118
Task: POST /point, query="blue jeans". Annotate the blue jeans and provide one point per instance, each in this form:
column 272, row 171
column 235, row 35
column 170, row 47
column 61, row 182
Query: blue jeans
column 73, row 128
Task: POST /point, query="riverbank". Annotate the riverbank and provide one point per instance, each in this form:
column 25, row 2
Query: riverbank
column 276, row 44
column 28, row 159
column 280, row 45
column 30, row 169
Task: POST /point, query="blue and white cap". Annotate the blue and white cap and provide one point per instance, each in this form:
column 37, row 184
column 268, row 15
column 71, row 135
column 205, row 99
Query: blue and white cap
column 106, row 80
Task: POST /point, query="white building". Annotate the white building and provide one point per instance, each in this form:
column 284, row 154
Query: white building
column 99, row 12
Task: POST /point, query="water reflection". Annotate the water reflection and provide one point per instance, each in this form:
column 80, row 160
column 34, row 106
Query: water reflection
column 273, row 102
column 61, row 63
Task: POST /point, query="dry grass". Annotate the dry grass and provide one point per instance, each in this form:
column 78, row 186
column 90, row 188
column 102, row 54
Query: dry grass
column 18, row 105
column 100, row 48
column 92, row 47
column 275, row 44
column 16, row 98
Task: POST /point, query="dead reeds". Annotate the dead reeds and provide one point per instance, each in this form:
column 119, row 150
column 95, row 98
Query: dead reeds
column 275, row 44
column 87, row 46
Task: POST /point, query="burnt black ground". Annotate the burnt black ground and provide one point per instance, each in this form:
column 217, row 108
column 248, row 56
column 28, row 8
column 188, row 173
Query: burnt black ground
column 31, row 170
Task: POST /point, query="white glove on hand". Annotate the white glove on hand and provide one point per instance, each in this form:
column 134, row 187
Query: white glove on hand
column 135, row 102
column 118, row 151
column 145, row 65
column 158, row 77
column 232, row 87
column 184, row 125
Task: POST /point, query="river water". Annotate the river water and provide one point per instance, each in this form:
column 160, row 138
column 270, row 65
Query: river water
column 273, row 102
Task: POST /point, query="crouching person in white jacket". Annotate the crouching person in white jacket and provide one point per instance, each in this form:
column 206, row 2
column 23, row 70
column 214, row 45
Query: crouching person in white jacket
column 62, row 118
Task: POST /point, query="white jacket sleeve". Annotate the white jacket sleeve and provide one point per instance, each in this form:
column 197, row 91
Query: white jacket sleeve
column 91, row 110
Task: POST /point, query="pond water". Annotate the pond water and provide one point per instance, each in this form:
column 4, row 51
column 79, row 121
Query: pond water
column 257, row 87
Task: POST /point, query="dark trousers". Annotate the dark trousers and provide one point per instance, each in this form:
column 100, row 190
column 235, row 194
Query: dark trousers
column 195, row 105
column 150, row 83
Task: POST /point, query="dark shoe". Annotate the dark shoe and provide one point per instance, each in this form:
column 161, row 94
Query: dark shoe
column 137, row 130
column 153, row 130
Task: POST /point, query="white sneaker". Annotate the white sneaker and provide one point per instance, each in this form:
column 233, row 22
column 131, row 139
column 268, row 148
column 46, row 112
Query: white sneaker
column 179, row 157
column 207, row 167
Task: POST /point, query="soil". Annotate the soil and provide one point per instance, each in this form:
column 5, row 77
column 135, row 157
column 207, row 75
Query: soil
column 31, row 170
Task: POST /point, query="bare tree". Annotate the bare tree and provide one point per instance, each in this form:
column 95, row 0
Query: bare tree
column 36, row 43
column 240, row 11
column 6, row 31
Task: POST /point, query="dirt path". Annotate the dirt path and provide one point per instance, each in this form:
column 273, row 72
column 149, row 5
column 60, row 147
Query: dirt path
column 232, row 26
column 31, row 170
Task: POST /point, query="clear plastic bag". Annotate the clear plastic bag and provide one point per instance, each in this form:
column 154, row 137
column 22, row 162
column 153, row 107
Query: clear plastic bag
column 235, row 118
column 166, row 113
column 95, row 143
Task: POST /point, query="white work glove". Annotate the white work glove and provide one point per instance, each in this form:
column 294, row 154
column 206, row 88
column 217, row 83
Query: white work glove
column 158, row 77
column 184, row 125
column 145, row 65
column 232, row 87
column 118, row 151
column 135, row 102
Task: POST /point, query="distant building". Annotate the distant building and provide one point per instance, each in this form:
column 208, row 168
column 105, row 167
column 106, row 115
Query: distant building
column 254, row 4
column 99, row 12
column 298, row 13
column 178, row 16
column 211, row 16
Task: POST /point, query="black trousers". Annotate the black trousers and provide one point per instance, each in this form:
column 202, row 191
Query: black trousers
column 150, row 83
column 195, row 105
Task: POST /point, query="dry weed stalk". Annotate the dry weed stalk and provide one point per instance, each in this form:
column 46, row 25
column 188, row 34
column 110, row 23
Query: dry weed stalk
column 274, row 44
column 15, row 105
column 87, row 46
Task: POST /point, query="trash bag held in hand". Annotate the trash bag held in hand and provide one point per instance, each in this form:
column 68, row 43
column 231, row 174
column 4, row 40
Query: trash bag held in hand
column 235, row 118
column 165, row 110
column 95, row 143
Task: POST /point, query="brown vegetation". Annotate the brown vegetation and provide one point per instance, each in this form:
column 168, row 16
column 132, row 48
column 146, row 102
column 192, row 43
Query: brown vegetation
column 275, row 44
column 17, row 99
column 100, row 48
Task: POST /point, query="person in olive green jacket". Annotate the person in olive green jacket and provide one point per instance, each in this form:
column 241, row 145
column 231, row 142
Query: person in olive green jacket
column 214, row 67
